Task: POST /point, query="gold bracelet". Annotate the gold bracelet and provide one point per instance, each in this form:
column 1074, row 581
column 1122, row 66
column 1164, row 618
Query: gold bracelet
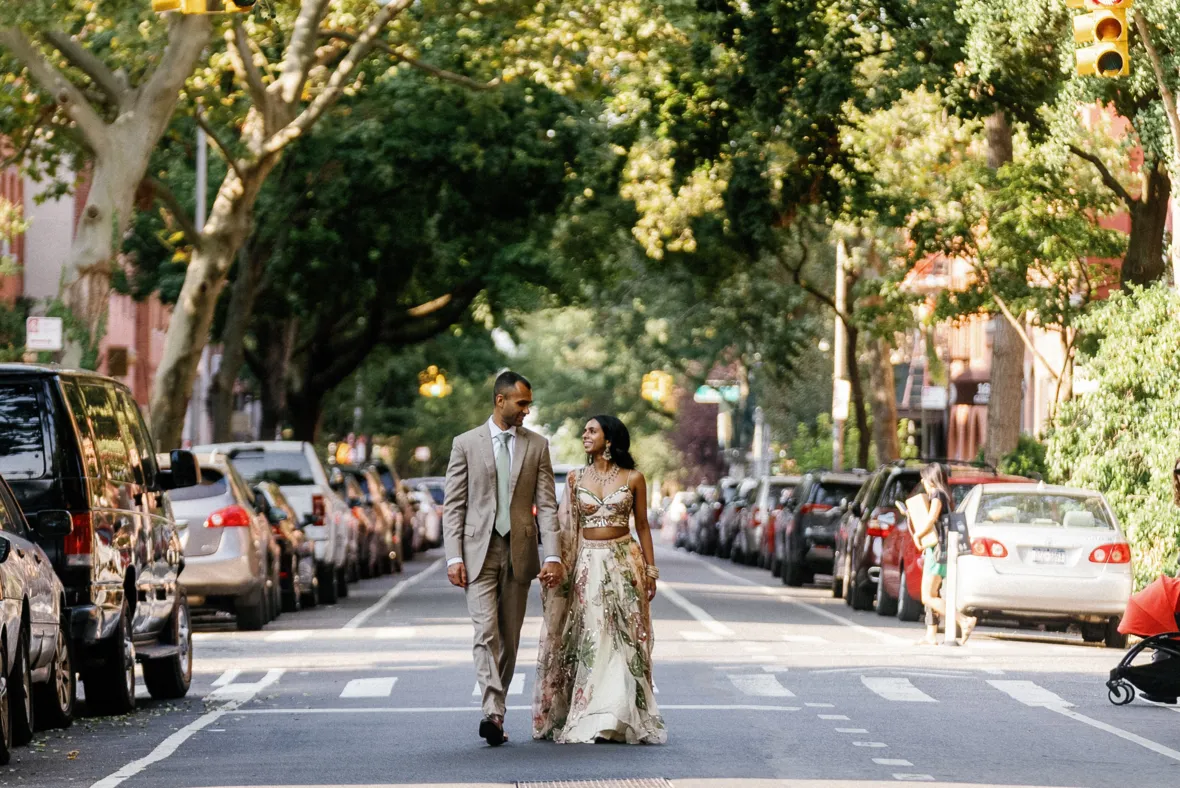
column 652, row 571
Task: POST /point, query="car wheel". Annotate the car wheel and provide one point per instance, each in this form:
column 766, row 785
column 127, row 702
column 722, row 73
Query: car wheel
column 110, row 687
column 21, row 681
column 274, row 597
column 342, row 583
column 1114, row 638
column 886, row 605
column 837, row 580
column 292, row 594
column 56, row 698
column 908, row 608
column 5, row 716
column 327, row 584
column 792, row 573
column 311, row 596
column 169, row 678
column 408, row 544
column 776, row 567
column 251, row 611
column 1093, row 633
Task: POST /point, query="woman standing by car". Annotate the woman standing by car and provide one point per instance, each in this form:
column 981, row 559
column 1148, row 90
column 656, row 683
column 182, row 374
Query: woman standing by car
column 933, row 522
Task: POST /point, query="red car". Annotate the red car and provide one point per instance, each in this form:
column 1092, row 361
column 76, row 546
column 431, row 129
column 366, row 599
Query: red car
column 899, row 585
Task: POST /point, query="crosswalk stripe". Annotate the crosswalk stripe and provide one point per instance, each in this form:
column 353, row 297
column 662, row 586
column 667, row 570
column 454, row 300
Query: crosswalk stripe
column 515, row 688
column 804, row 639
column 896, row 689
column 1029, row 693
column 689, row 634
column 761, row 684
column 369, row 688
column 892, row 762
column 227, row 678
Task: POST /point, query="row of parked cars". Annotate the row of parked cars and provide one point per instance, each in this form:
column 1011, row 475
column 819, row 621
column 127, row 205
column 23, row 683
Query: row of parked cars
column 1036, row 554
column 108, row 549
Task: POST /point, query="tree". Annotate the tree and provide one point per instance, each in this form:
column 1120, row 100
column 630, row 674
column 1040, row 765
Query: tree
column 108, row 83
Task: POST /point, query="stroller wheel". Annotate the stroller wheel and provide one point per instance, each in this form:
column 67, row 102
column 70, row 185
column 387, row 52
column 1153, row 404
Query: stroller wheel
column 1120, row 693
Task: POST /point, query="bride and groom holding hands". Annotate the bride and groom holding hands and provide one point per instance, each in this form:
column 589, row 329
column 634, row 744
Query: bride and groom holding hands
column 594, row 677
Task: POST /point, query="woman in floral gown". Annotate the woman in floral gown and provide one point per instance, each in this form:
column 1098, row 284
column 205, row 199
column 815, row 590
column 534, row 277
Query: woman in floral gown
column 594, row 666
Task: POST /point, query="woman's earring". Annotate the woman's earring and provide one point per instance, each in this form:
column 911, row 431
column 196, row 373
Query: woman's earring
column 606, row 454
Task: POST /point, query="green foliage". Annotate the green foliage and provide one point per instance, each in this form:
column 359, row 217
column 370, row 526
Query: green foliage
column 1027, row 459
column 1123, row 438
column 811, row 446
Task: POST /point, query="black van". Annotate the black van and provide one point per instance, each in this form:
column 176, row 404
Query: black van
column 77, row 441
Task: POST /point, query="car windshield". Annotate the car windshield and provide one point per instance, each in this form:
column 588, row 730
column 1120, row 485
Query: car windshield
column 436, row 492
column 831, row 493
column 1047, row 509
column 22, row 442
column 212, row 485
column 775, row 494
column 281, row 467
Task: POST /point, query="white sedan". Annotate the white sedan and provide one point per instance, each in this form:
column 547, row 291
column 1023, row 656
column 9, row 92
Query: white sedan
column 1045, row 554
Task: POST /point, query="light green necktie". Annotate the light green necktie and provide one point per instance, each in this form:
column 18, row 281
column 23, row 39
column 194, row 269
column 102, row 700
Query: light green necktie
column 503, row 475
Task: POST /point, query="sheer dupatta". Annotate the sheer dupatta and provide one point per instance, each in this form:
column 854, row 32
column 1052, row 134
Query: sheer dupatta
column 551, row 693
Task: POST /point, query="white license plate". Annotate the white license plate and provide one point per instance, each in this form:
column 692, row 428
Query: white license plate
column 1048, row 555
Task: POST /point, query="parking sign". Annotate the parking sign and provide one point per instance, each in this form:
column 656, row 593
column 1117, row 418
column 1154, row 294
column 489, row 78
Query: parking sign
column 43, row 333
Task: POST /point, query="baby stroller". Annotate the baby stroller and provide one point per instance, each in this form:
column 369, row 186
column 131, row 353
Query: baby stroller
column 1152, row 614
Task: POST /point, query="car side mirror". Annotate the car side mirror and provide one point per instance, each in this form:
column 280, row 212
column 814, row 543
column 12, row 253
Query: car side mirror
column 274, row 516
column 183, row 471
column 857, row 510
column 5, row 549
column 54, row 522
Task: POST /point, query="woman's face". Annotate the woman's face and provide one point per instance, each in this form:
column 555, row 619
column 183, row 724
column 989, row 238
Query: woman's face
column 593, row 438
column 926, row 485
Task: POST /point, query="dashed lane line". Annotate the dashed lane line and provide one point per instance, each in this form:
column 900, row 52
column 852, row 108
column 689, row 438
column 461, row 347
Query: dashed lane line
column 1029, row 693
column 761, row 684
column 896, row 689
column 369, row 688
column 707, row 621
column 892, row 762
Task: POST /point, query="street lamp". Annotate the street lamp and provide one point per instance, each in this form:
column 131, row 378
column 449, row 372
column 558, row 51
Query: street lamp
column 433, row 383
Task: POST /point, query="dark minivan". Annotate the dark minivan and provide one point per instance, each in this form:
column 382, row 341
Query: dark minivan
column 76, row 441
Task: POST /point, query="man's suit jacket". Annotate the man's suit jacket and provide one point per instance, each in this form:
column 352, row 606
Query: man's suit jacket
column 469, row 509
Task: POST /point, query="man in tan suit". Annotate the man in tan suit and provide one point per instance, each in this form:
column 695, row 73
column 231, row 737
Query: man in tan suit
column 497, row 473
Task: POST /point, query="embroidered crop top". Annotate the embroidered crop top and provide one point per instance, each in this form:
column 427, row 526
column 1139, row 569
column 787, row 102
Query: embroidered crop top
column 613, row 511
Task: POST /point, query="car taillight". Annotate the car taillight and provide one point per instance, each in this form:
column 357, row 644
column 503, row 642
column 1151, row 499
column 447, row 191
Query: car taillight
column 982, row 546
column 317, row 509
column 229, row 517
column 877, row 528
column 1119, row 553
column 812, row 508
column 274, row 529
column 534, row 510
column 757, row 517
column 357, row 513
column 80, row 543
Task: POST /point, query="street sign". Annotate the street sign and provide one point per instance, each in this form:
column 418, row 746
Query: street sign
column 43, row 333
column 841, row 396
column 422, row 454
column 715, row 395
column 934, row 397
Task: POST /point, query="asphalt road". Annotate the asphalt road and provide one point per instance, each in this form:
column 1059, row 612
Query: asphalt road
column 759, row 686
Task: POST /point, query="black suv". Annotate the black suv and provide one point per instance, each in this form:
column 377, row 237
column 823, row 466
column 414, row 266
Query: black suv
column 806, row 538
column 76, row 441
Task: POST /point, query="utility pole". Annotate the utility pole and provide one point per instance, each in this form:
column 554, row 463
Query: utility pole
column 200, row 384
column 841, row 388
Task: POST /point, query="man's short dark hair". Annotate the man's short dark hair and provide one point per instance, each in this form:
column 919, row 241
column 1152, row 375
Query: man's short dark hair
column 507, row 381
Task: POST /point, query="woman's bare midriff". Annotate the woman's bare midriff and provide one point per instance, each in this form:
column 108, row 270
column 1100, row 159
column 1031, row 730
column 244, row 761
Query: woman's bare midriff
column 604, row 533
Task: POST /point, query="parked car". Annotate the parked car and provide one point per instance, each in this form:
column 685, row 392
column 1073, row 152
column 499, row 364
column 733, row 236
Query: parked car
column 431, row 492
column 374, row 535
column 76, row 442
column 231, row 558
column 753, row 545
column 679, row 515
column 399, row 494
column 807, row 543
column 1045, row 554
column 389, row 510
column 327, row 521
column 297, row 578
column 729, row 519
column 35, row 653
column 899, row 584
column 561, row 472
column 703, row 536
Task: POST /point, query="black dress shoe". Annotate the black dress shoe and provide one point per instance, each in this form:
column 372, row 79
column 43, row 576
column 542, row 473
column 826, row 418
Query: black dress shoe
column 492, row 731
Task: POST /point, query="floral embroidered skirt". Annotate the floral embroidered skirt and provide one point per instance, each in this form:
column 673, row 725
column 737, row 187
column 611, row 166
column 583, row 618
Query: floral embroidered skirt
column 594, row 673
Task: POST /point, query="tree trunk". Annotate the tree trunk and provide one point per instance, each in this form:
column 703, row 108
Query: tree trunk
column 277, row 345
column 305, row 410
column 233, row 345
column 1145, row 262
column 864, row 436
column 884, row 400
column 188, row 331
column 1007, row 366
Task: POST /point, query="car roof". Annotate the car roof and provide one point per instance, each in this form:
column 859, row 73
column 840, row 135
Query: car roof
column 990, row 479
column 1031, row 487
column 291, row 447
column 841, row 477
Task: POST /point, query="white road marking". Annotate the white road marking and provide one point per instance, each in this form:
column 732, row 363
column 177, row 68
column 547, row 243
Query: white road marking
column 392, row 594
column 896, row 689
column 706, row 620
column 832, row 716
column 775, row 669
column 1147, row 744
column 884, row 637
column 173, row 742
column 820, row 705
column 805, row 639
column 515, row 688
column 923, row 778
column 288, row 636
column 760, row 684
column 1030, row 694
column 851, row 730
column 892, row 762
column 369, row 688
column 688, row 634
column 475, row 710
column 876, row 745
column 227, row 677
column 233, row 692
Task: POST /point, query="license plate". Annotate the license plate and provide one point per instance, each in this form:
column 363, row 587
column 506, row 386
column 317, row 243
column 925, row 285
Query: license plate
column 1048, row 555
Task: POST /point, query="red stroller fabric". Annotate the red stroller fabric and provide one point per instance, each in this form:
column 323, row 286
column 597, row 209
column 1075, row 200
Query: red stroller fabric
column 1153, row 610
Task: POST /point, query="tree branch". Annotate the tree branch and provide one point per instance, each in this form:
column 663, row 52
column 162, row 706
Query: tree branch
column 217, row 143
column 242, row 60
column 65, row 93
column 1023, row 333
column 300, row 51
column 796, row 272
column 188, row 35
column 397, row 54
column 84, row 60
column 1108, row 178
column 166, row 196
column 343, row 73
column 1165, row 91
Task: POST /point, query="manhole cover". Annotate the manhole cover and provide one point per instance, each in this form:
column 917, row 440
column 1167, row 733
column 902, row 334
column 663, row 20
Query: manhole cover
column 643, row 782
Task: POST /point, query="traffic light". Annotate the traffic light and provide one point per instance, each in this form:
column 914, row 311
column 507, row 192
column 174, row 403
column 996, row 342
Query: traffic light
column 1104, row 31
column 203, row 6
column 657, row 389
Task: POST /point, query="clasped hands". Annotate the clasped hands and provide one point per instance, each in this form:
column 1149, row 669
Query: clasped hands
column 552, row 573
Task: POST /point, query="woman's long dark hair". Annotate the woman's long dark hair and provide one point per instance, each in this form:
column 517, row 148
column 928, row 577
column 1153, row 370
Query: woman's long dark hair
column 935, row 474
column 619, row 438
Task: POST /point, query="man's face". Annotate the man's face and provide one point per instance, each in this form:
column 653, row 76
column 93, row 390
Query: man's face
column 514, row 405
